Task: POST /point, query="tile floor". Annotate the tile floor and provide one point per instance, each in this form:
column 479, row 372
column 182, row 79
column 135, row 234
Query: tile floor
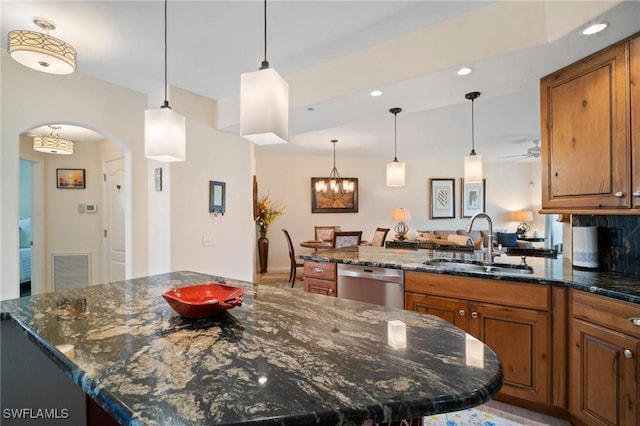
column 493, row 413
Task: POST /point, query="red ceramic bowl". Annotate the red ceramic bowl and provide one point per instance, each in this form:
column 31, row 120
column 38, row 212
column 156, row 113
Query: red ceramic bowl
column 203, row 300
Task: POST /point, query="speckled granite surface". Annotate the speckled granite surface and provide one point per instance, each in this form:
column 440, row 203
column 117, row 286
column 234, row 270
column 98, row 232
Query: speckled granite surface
column 557, row 272
column 283, row 357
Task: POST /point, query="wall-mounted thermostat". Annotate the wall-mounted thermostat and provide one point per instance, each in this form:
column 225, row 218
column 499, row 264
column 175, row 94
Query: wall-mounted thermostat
column 91, row 208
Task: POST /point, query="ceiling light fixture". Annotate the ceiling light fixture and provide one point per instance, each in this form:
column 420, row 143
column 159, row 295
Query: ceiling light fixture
column 395, row 169
column 473, row 161
column 595, row 28
column 164, row 129
column 42, row 52
column 335, row 185
column 375, row 93
column 264, row 102
column 464, row 71
column 53, row 144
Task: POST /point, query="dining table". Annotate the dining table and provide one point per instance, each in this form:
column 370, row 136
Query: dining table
column 317, row 244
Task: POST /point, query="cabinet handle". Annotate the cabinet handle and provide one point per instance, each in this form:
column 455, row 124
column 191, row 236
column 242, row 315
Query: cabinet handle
column 318, row 270
column 636, row 194
column 330, row 290
column 474, row 314
column 628, row 354
column 635, row 320
column 619, row 194
column 461, row 312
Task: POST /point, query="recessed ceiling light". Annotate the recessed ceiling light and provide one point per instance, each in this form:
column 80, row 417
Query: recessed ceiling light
column 375, row 93
column 595, row 28
column 464, row 71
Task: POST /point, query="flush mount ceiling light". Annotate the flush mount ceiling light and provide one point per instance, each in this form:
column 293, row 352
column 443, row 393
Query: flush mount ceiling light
column 464, row 71
column 595, row 28
column 473, row 161
column 42, row 52
column 53, row 144
column 395, row 169
column 375, row 93
column 164, row 129
column 264, row 102
column 334, row 184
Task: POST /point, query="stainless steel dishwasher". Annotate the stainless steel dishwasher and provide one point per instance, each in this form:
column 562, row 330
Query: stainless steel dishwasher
column 383, row 286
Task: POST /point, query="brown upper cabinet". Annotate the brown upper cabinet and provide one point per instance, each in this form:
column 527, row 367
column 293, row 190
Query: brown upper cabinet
column 590, row 114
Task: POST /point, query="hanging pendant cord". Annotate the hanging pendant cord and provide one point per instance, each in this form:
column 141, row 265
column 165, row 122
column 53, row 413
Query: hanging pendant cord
column 166, row 101
column 265, row 64
column 473, row 132
column 395, row 137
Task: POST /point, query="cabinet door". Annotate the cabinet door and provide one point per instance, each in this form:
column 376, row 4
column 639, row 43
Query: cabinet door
column 634, row 74
column 584, row 114
column 603, row 377
column 314, row 285
column 452, row 310
column 520, row 337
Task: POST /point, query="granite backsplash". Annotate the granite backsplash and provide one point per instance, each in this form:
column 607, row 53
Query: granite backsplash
column 618, row 241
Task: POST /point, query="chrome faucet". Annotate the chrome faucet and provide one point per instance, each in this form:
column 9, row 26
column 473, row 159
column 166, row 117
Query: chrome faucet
column 489, row 252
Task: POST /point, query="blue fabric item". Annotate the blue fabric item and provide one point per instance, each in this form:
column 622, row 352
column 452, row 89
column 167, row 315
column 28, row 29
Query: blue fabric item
column 507, row 239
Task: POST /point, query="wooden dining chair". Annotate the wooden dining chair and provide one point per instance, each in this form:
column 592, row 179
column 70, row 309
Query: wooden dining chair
column 379, row 236
column 296, row 262
column 347, row 238
column 325, row 233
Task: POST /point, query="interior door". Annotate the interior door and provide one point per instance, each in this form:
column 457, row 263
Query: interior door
column 113, row 218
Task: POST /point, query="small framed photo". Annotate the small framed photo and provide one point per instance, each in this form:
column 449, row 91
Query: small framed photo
column 473, row 197
column 442, row 203
column 70, row 178
column 217, row 196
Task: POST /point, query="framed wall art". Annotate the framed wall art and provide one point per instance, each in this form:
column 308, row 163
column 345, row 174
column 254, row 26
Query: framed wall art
column 216, row 197
column 473, row 197
column 442, row 203
column 70, row 178
column 334, row 202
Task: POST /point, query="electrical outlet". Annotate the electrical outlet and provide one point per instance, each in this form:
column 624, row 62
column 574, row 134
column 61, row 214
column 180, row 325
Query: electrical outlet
column 208, row 241
column 616, row 237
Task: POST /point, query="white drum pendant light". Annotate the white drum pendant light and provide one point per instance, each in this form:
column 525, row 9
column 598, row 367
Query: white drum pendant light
column 42, row 52
column 395, row 169
column 473, row 161
column 164, row 129
column 264, row 102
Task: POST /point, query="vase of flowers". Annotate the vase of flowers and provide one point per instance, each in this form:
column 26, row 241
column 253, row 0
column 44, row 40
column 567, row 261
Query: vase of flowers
column 266, row 213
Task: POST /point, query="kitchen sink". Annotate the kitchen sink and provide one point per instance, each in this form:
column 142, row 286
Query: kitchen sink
column 475, row 266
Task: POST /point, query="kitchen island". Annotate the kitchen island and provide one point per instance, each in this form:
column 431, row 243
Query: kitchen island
column 283, row 357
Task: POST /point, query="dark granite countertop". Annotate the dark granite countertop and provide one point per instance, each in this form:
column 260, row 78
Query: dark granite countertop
column 284, row 357
column 557, row 272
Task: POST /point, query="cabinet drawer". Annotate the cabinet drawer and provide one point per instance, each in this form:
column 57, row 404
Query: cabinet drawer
column 316, row 286
column 605, row 311
column 321, row 270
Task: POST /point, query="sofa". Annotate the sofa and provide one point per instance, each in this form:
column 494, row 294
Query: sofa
column 477, row 239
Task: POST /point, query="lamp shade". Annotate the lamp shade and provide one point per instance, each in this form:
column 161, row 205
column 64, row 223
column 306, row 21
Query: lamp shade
column 395, row 173
column 523, row 216
column 401, row 215
column 52, row 145
column 41, row 52
column 264, row 107
column 164, row 135
column 473, row 168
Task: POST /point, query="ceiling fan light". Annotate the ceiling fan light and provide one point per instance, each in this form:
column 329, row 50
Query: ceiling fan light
column 473, row 168
column 164, row 135
column 264, row 107
column 395, row 173
column 41, row 52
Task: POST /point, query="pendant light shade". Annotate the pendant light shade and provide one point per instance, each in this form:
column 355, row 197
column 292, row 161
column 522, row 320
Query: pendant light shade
column 53, row 144
column 473, row 161
column 42, row 52
column 395, row 169
column 264, row 102
column 164, row 130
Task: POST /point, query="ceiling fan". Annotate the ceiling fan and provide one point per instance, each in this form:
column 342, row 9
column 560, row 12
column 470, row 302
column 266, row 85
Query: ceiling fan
column 533, row 152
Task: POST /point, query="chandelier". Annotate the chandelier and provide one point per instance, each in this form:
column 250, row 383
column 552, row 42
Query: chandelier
column 334, row 184
column 42, row 52
column 53, row 144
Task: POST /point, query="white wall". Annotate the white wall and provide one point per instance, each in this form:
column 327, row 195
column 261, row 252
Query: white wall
column 287, row 180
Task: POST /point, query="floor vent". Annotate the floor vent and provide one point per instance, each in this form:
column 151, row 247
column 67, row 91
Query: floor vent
column 70, row 270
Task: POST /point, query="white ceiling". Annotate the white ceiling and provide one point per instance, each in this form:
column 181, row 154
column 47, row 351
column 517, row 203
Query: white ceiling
column 333, row 53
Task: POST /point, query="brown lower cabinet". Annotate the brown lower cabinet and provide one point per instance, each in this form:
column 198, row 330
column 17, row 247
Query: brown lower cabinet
column 321, row 278
column 512, row 318
column 603, row 360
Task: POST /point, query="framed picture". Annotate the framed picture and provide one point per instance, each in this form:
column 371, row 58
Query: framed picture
column 157, row 178
column 216, row 197
column 473, row 197
column 334, row 202
column 70, row 178
column 442, row 203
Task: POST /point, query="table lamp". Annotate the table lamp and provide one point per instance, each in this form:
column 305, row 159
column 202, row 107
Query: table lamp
column 523, row 217
column 401, row 216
